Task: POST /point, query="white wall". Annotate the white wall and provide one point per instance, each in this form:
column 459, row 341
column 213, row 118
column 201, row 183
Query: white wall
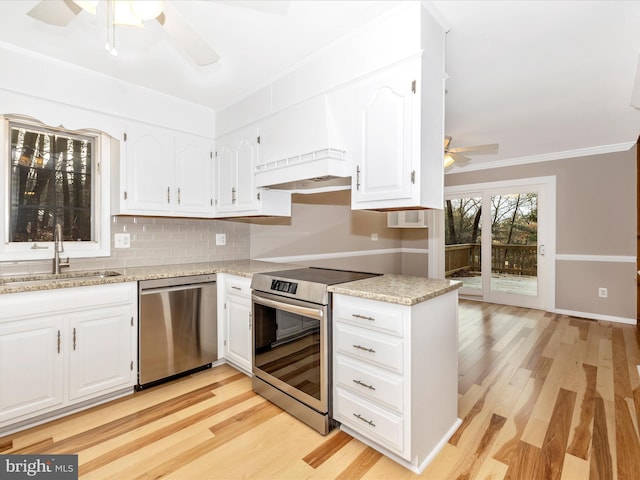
column 58, row 93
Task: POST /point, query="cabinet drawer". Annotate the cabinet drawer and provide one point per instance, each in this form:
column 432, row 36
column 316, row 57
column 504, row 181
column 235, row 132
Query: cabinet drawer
column 385, row 318
column 238, row 285
column 371, row 421
column 377, row 385
column 382, row 350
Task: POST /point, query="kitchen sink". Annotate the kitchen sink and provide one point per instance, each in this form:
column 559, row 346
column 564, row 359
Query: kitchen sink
column 45, row 279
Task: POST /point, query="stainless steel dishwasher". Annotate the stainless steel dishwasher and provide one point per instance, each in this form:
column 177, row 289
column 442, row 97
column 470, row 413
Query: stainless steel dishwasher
column 178, row 327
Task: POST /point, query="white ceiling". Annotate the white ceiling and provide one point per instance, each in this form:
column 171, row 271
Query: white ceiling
column 537, row 77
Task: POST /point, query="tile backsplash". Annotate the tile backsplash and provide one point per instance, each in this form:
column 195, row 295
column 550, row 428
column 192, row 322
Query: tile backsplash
column 157, row 241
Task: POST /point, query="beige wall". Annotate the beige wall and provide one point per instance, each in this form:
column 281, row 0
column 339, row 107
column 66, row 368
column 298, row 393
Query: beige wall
column 323, row 225
column 595, row 217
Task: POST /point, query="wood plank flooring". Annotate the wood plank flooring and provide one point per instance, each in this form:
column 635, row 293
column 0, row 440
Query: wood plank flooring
column 542, row 396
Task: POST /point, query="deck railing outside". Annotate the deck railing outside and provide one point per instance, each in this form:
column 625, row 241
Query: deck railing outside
column 511, row 259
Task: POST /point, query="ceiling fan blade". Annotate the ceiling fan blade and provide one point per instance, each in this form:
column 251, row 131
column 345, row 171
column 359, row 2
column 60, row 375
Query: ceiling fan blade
column 55, row 12
column 447, row 142
column 185, row 37
column 460, row 160
column 479, row 149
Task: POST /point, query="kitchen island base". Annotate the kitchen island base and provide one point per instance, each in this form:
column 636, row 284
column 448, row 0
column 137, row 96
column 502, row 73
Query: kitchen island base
column 420, row 465
column 396, row 373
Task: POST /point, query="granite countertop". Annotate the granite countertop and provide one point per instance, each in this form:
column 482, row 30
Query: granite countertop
column 29, row 283
column 401, row 289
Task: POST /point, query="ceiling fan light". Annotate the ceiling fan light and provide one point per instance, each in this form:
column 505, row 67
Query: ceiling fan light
column 448, row 160
column 87, row 5
column 124, row 14
column 147, row 9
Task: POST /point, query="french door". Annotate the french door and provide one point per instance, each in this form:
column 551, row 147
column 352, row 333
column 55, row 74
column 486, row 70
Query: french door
column 500, row 241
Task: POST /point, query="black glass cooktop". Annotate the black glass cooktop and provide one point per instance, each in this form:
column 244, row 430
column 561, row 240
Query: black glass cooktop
column 326, row 276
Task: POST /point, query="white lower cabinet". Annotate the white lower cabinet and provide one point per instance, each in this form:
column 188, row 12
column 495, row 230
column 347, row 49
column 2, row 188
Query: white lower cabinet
column 100, row 356
column 237, row 326
column 65, row 348
column 395, row 374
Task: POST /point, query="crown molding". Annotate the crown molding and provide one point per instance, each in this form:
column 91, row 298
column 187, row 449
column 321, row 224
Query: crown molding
column 546, row 157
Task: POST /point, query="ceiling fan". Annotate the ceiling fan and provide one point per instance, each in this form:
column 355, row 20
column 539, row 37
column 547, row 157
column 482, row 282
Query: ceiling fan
column 454, row 155
column 131, row 13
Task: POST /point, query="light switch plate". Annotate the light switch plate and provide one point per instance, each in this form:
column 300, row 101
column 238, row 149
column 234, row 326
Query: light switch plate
column 122, row 240
column 221, row 239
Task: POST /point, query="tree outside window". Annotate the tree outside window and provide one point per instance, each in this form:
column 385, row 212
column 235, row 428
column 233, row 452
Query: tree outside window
column 51, row 181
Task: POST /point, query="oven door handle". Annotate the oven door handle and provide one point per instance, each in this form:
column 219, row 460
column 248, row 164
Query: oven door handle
column 287, row 307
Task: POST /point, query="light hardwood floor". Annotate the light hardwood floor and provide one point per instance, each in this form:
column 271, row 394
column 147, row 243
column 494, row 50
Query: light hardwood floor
column 542, row 396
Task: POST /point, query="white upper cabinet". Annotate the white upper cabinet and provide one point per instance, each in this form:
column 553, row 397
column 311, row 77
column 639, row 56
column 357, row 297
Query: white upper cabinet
column 164, row 173
column 388, row 127
column 236, row 192
column 400, row 131
column 148, row 170
column 194, row 175
column 235, row 162
column 400, row 128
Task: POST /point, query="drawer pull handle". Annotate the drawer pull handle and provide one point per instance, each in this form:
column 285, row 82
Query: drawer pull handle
column 360, row 417
column 363, row 317
column 236, row 288
column 366, row 349
column 370, row 387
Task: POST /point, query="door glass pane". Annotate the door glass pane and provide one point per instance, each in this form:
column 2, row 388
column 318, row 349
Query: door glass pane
column 514, row 233
column 463, row 242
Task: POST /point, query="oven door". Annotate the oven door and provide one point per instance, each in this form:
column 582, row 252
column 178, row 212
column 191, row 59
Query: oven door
column 291, row 347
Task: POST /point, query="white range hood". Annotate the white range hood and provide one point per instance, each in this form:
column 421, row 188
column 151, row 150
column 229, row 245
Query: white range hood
column 302, row 150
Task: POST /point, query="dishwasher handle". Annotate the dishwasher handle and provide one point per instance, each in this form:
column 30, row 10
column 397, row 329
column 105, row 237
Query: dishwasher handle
column 183, row 282
column 149, row 291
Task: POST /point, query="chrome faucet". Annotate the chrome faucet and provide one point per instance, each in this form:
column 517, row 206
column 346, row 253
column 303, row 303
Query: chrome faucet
column 58, row 248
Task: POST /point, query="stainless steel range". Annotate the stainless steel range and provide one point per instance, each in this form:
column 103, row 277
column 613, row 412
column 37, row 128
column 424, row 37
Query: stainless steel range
column 292, row 340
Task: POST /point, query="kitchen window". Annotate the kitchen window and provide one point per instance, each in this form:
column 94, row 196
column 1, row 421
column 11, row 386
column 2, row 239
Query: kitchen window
column 53, row 176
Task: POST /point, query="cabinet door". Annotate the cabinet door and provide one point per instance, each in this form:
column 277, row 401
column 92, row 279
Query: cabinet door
column 225, row 175
column 246, row 185
column 194, row 176
column 388, row 115
column 235, row 176
column 31, row 367
column 239, row 331
column 150, row 172
column 101, row 356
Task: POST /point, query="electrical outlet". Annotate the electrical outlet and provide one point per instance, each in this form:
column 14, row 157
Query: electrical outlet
column 221, row 239
column 603, row 292
column 122, row 240
column 374, row 237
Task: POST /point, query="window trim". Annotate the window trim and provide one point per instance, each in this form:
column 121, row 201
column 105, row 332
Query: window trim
column 100, row 216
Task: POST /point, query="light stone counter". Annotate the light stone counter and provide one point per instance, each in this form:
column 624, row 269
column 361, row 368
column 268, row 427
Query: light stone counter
column 29, row 283
column 401, row 289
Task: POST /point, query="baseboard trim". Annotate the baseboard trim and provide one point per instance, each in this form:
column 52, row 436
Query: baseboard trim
column 568, row 257
column 597, row 316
